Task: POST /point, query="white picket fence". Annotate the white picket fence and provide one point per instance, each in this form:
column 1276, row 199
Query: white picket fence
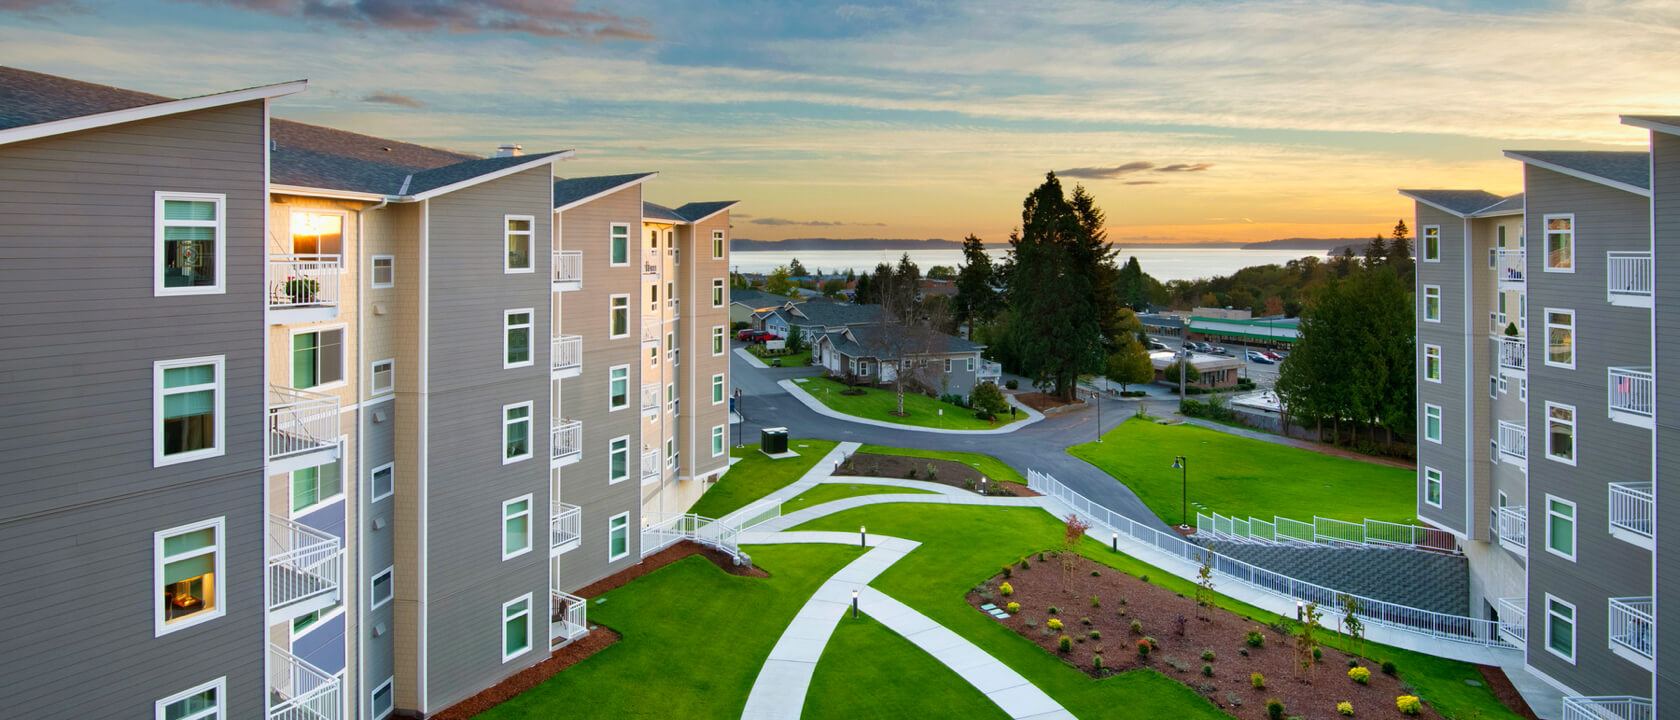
column 1325, row 531
column 1441, row 626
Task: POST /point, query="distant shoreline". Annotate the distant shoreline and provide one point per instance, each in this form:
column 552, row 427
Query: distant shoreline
column 1324, row 245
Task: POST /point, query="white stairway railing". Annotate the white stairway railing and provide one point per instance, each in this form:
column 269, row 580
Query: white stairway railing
column 1508, row 265
column 652, row 328
column 573, row 622
column 1633, row 625
column 565, row 524
column 566, row 352
column 1633, row 508
column 299, row 281
column 565, row 438
column 300, row 691
column 650, row 396
column 1510, row 524
column 300, row 421
column 1633, row 390
column 1456, row 628
column 302, row 562
column 1513, row 353
column 568, row 266
column 1513, row 619
column 1630, row 275
column 1513, row 442
column 661, row 531
column 650, row 464
column 1620, row 707
column 1325, row 531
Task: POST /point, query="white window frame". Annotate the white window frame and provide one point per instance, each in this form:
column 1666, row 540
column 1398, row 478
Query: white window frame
column 1546, row 337
column 320, row 502
column 1574, row 620
column 1574, row 424
column 610, row 406
column 717, row 244
column 530, row 524
column 373, row 272
column 612, row 309
column 1433, row 410
column 971, row 364
column 626, row 528
column 373, row 377
column 720, row 344
column 322, row 617
column 508, row 326
column 217, row 713
column 219, row 387
column 1493, row 386
column 530, row 244
column 1432, row 484
column 718, row 292
column 530, row 626
column 218, row 589
column 343, row 354
column 1428, row 292
column 1546, row 242
column 530, row 433
column 612, row 237
column 720, row 444
column 374, row 495
column 613, row 450
column 1522, row 389
column 947, row 366
column 720, row 393
column 158, row 224
column 1574, row 519
column 1432, row 352
column 653, row 299
column 389, row 687
column 1424, row 234
column 376, row 602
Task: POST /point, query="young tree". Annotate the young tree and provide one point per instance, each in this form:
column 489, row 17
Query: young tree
column 941, row 272
column 797, row 270
column 831, row 288
column 1072, row 535
column 976, row 300
column 903, row 336
column 864, row 293
column 1307, row 641
column 779, row 283
column 1130, row 365
column 1191, row 374
column 1350, row 619
column 1204, row 582
column 1052, row 288
column 989, row 399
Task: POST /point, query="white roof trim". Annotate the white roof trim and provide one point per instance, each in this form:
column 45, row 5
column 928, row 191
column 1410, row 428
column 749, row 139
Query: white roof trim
column 607, row 192
column 1607, row 182
column 147, row 112
column 504, row 172
column 1661, row 127
column 278, row 189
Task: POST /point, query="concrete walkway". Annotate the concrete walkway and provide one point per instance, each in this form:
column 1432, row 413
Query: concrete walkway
column 751, row 359
column 798, row 393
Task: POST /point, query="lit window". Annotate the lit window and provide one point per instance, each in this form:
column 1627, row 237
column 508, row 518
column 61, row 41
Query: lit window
column 381, row 482
column 1432, row 423
column 717, row 341
column 1560, row 243
column 1560, row 338
column 516, row 432
column 618, row 460
column 188, row 404
column 1560, row 628
column 717, row 292
column 516, row 627
column 200, row 703
column 384, row 271
column 315, row 486
column 318, row 235
column 383, row 588
column 1560, row 527
column 516, row 527
column 1560, row 433
column 317, row 358
column 1432, row 363
column 189, row 575
column 1432, row 303
column 188, row 237
column 619, row 316
column 618, row 537
column 384, row 376
column 1432, row 486
column 1431, row 243
column 518, row 230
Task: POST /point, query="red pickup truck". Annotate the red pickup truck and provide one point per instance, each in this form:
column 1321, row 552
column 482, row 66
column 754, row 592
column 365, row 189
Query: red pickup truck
column 753, row 336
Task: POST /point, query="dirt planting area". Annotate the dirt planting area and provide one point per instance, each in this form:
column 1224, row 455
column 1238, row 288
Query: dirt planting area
column 945, row 472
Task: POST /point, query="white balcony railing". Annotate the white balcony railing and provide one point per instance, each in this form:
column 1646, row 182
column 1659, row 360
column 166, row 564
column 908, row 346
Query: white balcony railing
column 652, row 328
column 566, row 352
column 1633, row 512
column 303, row 281
column 1513, row 442
column 1513, row 620
column 1630, row 277
column 565, row 439
column 650, row 397
column 568, row 619
column 1633, row 395
column 300, row 691
column 650, row 261
column 1633, row 626
column 1510, row 523
column 1621, row 707
column 989, row 371
column 303, row 563
column 568, row 266
column 565, row 526
column 650, row 464
column 300, row 421
column 1513, row 354
column 1508, row 265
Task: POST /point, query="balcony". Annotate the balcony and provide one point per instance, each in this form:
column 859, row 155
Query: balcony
column 566, row 352
column 565, row 442
column 305, row 569
column 1633, row 627
column 1508, row 266
column 650, row 261
column 565, row 528
column 1630, row 277
column 1633, row 513
column 1510, row 524
column 302, row 429
column 989, row 371
column 1513, row 620
column 652, row 327
column 300, row 691
column 650, row 465
column 568, row 620
column 1633, row 396
column 1621, row 707
column 1513, row 443
column 302, row 288
column 1513, row 354
column 650, row 398
column 568, row 270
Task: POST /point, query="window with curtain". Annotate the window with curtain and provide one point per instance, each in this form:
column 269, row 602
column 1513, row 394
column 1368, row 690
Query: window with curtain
column 190, row 239
column 618, row 388
column 311, row 486
column 317, row 358
column 620, row 316
column 189, row 408
column 717, row 292
column 516, row 432
column 1560, row 628
column 188, row 585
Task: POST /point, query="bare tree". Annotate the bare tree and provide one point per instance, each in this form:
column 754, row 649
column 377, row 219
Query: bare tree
column 905, row 336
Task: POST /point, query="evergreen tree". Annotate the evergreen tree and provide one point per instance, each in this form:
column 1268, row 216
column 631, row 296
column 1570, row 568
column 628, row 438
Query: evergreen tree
column 1093, row 257
column 797, row 270
column 1130, row 286
column 1051, row 289
column 976, row 299
column 864, row 293
column 1376, row 253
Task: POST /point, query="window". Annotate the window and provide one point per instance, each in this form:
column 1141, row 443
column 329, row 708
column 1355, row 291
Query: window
column 187, row 407
column 1560, row 243
column 653, row 356
column 1499, row 234
column 188, row 567
column 671, row 452
column 317, row 358
column 302, row 624
column 1432, row 363
column 1560, row 338
column 383, row 588
column 1560, row 628
column 200, row 703
column 516, row 527
column 516, row 627
column 653, row 297
column 618, row 388
column 619, row 317
column 516, row 432
column 1432, row 303
column 947, row 365
column 1502, row 318
column 620, row 245
column 187, row 239
column 1522, row 389
column 1432, row 486
column 1432, row 423
column 618, row 537
column 381, row 482
column 717, row 292
column 1560, row 433
column 318, row 234
column 971, row 364
column 717, row 244
column 1493, row 386
column 316, row 486
column 1560, row 527
column 618, row 460
column 717, row 389
column 1431, row 243
column 383, row 700
column 717, row 441
column 516, row 338
column 384, row 271
column 717, row 340
column 384, row 376
column 518, row 231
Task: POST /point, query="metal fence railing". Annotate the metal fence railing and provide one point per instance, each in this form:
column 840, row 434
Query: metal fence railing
column 1633, row 390
column 1633, row 508
column 661, row 531
column 302, row 281
column 1619, row 707
column 1513, row 619
column 1633, row 625
column 1325, row 531
column 300, row 421
column 566, row 352
column 568, row 618
column 1629, row 274
column 565, row 438
column 568, row 266
column 565, row 525
column 298, row 690
column 302, row 562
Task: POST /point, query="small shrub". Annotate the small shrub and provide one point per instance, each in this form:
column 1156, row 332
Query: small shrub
column 1053, row 623
column 985, row 594
column 1041, row 557
column 1143, row 648
column 1032, row 623
column 1144, row 578
column 1178, row 625
column 1096, row 662
column 1096, row 573
column 1012, row 383
column 1065, row 643
column 1409, row 704
column 1121, row 612
column 1177, row 664
column 1258, row 681
column 1254, row 639
column 1344, row 707
column 1137, row 627
column 1095, row 635
column 1207, row 671
column 1013, row 608
column 1025, row 564
column 1206, row 689
column 1353, row 663
column 1046, row 632
column 1084, row 621
column 1360, row 675
column 1388, row 668
column 932, row 472
column 1208, row 656
column 1095, row 602
column 1053, row 610
column 1006, row 589
column 1233, row 699
column 1242, row 651
column 1150, row 640
column 1318, row 654
column 912, row 473
column 1122, row 602
column 1274, row 709
column 1008, row 571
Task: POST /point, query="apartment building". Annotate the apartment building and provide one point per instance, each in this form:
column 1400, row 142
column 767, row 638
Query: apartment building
column 343, row 485
column 1537, row 410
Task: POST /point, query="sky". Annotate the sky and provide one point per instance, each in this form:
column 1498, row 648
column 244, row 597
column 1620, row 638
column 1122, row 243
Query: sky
column 1236, row 120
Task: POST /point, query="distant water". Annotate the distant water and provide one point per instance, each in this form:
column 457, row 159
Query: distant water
column 1162, row 263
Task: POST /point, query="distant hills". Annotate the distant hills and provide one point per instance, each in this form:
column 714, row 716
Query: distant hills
column 1325, row 245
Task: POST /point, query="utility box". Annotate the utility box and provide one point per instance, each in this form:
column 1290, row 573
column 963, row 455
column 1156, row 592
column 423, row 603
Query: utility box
column 773, row 441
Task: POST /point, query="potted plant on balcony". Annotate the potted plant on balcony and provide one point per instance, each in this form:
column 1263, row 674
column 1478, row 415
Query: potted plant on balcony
column 1511, row 330
column 302, row 290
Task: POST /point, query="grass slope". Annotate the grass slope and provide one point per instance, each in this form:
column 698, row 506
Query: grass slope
column 990, row 466
column 828, row 492
column 875, row 404
column 868, row 671
column 1242, row 477
column 756, row 475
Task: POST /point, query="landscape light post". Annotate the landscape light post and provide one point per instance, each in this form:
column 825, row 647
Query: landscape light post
column 1182, row 464
column 1114, row 541
column 863, row 536
column 740, row 421
column 854, row 604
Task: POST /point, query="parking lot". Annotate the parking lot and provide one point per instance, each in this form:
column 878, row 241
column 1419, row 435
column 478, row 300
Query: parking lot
column 1264, row 375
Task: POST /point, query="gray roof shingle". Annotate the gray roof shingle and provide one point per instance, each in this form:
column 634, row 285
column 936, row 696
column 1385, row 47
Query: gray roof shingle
column 1627, row 168
column 450, row 174
column 1459, row 202
column 1510, row 204
column 32, row 98
column 870, row 341
column 755, row 298
column 322, row 157
column 571, row 190
column 832, row 314
column 696, row 211
column 660, row 212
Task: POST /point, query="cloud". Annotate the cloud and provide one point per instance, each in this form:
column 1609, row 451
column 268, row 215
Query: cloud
column 1106, row 173
column 37, row 8
column 542, row 18
column 391, row 98
column 812, row 223
column 1184, row 167
column 1143, row 182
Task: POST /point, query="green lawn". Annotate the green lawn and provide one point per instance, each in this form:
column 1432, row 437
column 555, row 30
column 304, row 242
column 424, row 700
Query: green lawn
column 798, row 359
column 875, row 404
column 827, row 492
column 986, row 464
column 1241, row 477
column 868, row 671
column 694, row 639
column 756, row 475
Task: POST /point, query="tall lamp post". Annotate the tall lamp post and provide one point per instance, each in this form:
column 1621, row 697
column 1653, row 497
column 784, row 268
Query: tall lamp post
column 740, row 420
column 1183, row 465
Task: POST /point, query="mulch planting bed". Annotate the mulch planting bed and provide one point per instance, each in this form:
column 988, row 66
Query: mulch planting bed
column 1042, row 402
column 597, row 639
column 946, row 472
column 665, row 557
column 1123, row 599
column 1501, row 687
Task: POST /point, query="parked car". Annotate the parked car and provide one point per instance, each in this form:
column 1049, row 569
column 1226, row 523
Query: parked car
column 1158, row 345
column 1259, row 357
column 1217, row 350
column 747, row 335
column 1205, row 347
column 1273, row 354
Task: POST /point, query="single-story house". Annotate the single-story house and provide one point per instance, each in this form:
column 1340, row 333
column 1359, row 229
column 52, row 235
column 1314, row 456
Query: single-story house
column 743, row 303
column 1216, row 370
column 951, row 365
column 814, row 319
column 1274, row 331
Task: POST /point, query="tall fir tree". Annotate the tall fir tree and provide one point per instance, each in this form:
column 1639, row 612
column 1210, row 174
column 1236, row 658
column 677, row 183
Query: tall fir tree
column 976, row 299
column 1058, row 333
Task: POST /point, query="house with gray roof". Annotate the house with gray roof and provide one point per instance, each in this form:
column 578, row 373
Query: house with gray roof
column 934, row 362
column 814, row 318
column 743, row 304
